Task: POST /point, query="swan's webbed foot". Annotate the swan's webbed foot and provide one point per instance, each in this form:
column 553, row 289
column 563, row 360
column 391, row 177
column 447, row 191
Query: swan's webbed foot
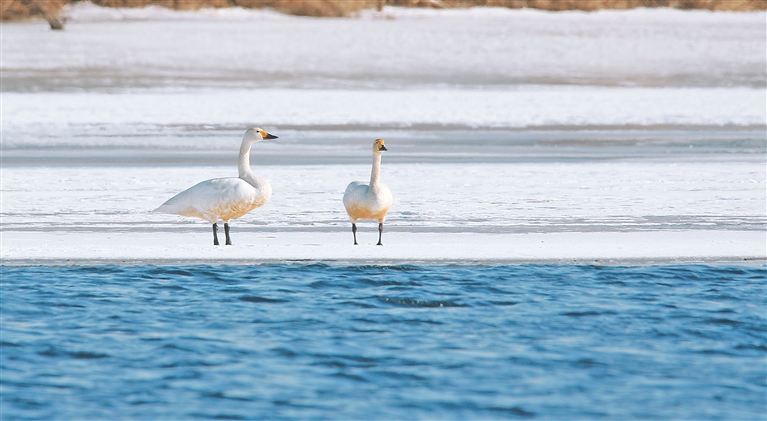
column 380, row 232
column 226, row 231
column 354, row 231
column 215, row 234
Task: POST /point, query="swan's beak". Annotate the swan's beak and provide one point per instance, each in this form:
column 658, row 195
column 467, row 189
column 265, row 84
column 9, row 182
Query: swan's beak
column 382, row 148
column 270, row 136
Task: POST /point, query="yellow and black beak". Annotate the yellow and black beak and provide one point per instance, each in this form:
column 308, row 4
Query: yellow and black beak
column 382, row 148
column 270, row 136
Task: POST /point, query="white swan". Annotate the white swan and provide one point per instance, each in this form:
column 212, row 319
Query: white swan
column 225, row 198
column 369, row 201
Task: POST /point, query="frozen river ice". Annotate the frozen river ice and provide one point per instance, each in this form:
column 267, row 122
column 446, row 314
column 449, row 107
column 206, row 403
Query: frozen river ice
column 512, row 123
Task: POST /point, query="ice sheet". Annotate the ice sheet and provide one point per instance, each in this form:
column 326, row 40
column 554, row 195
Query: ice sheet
column 581, row 210
column 387, row 109
column 516, row 135
column 523, row 197
column 741, row 247
column 396, row 48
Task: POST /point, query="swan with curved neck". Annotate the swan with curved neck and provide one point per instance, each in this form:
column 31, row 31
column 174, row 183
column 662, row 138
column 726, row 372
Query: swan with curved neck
column 369, row 200
column 224, row 199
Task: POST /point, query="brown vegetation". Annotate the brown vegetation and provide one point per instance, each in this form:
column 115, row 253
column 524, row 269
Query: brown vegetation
column 591, row 5
column 49, row 9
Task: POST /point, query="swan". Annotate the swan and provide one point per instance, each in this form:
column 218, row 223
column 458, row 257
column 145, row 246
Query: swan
column 369, row 200
column 225, row 198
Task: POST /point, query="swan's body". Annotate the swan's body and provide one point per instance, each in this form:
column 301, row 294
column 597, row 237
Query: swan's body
column 224, row 199
column 369, row 200
column 219, row 199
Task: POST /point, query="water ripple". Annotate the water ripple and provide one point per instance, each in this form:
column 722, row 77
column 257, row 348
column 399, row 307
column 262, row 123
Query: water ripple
column 384, row 342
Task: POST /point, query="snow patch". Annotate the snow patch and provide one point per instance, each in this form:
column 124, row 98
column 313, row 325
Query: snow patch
column 89, row 12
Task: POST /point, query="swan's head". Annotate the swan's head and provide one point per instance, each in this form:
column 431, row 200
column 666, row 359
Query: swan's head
column 257, row 134
column 379, row 146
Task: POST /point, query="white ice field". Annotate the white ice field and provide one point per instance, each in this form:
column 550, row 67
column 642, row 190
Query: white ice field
column 514, row 135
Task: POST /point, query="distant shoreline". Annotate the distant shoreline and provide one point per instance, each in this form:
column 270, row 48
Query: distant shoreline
column 17, row 10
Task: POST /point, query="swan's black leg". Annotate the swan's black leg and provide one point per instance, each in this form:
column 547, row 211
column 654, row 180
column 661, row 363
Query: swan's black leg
column 226, row 231
column 215, row 234
column 380, row 231
column 354, row 231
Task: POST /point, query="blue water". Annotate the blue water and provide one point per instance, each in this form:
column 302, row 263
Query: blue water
column 384, row 342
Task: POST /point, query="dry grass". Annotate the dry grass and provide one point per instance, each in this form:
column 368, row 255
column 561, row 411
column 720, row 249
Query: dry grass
column 25, row 9
column 590, row 5
column 295, row 7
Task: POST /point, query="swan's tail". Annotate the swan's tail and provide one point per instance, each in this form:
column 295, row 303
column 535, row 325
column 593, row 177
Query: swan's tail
column 165, row 208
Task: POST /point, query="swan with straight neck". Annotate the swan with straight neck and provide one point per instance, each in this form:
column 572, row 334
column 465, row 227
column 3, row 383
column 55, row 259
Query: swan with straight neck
column 369, row 200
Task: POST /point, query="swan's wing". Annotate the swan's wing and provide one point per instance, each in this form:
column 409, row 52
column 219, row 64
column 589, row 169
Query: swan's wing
column 206, row 198
column 355, row 192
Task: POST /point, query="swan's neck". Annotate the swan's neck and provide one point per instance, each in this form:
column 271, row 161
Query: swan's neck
column 376, row 172
column 244, row 165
